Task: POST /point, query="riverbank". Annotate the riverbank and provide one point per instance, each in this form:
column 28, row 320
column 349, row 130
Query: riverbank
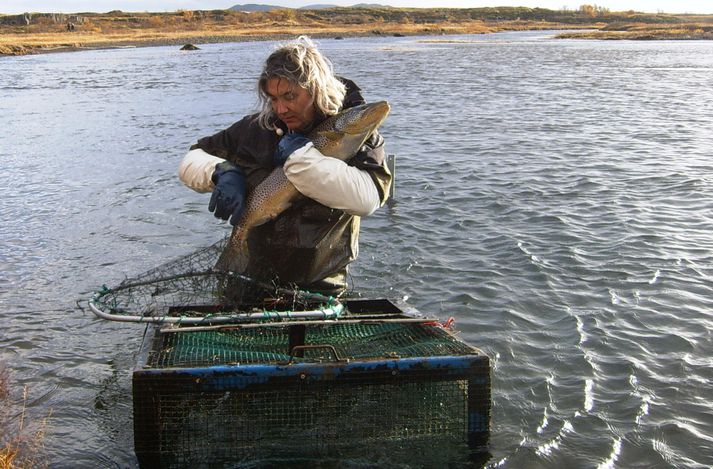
column 50, row 32
column 23, row 43
column 646, row 32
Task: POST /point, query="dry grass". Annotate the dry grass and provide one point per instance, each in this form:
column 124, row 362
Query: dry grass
column 152, row 29
column 639, row 31
column 42, row 32
column 21, row 442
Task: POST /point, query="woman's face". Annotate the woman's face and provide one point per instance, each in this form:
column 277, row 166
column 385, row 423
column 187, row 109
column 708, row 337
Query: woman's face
column 292, row 104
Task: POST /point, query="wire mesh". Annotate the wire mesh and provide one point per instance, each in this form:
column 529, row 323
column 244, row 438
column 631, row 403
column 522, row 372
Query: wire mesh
column 268, row 345
column 321, row 419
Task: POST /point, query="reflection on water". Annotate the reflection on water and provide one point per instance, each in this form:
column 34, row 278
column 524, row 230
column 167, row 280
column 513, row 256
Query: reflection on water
column 552, row 196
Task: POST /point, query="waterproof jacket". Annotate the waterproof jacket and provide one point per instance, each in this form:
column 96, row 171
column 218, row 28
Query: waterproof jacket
column 308, row 245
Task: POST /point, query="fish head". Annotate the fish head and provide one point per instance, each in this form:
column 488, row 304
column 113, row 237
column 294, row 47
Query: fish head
column 362, row 119
column 343, row 134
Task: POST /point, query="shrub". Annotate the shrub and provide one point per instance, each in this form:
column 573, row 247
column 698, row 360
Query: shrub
column 21, row 441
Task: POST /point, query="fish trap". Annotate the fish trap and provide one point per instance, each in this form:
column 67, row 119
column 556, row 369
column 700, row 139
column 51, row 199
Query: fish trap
column 234, row 372
column 379, row 382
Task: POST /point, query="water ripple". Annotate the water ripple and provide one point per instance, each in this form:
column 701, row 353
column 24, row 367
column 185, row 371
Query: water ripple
column 546, row 198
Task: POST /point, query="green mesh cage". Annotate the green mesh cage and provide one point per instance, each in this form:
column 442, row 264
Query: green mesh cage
column 269, row 345
column 375, row 387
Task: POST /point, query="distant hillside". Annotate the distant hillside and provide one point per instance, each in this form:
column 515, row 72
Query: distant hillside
column 254, row 7
column 321, row 6
column 316, row 6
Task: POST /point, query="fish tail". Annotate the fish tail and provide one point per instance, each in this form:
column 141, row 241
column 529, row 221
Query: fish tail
column 235, row 256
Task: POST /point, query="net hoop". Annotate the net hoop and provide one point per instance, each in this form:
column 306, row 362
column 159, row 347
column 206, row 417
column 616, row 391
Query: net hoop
column 332, row 311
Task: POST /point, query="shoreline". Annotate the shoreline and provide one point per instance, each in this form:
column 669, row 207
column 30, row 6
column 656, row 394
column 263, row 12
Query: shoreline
column 650, row 33
column 133, row 44
column 30, row 44
column 23, row 49
column 12, row 50
column 37, row 33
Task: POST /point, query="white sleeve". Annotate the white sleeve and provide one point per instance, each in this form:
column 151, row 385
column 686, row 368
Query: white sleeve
column 332, row 182
column 196, row 170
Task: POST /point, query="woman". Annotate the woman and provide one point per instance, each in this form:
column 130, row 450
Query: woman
column 310, row 244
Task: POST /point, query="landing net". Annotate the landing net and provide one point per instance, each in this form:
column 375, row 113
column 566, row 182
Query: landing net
column 188, row 291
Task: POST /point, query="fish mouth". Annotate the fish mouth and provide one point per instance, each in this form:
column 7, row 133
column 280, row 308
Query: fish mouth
column 372, row 115
column 380, row 110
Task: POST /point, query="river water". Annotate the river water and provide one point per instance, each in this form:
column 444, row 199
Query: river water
column 555, row 197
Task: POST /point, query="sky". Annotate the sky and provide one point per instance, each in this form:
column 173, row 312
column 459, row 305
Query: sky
column 75, row 6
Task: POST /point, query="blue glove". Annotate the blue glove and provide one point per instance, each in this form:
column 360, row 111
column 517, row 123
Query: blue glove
column 287, row 146
column 228, row 197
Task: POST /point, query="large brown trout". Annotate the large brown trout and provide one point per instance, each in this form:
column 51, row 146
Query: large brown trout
column 339, row 136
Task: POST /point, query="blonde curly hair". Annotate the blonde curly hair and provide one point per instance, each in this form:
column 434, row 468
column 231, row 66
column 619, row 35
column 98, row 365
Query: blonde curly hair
column 300, row 62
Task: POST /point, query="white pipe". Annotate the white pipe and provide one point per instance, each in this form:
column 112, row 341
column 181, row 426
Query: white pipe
column 329, row 312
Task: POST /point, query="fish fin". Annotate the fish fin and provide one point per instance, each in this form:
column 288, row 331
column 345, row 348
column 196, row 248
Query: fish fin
column 235, row 256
